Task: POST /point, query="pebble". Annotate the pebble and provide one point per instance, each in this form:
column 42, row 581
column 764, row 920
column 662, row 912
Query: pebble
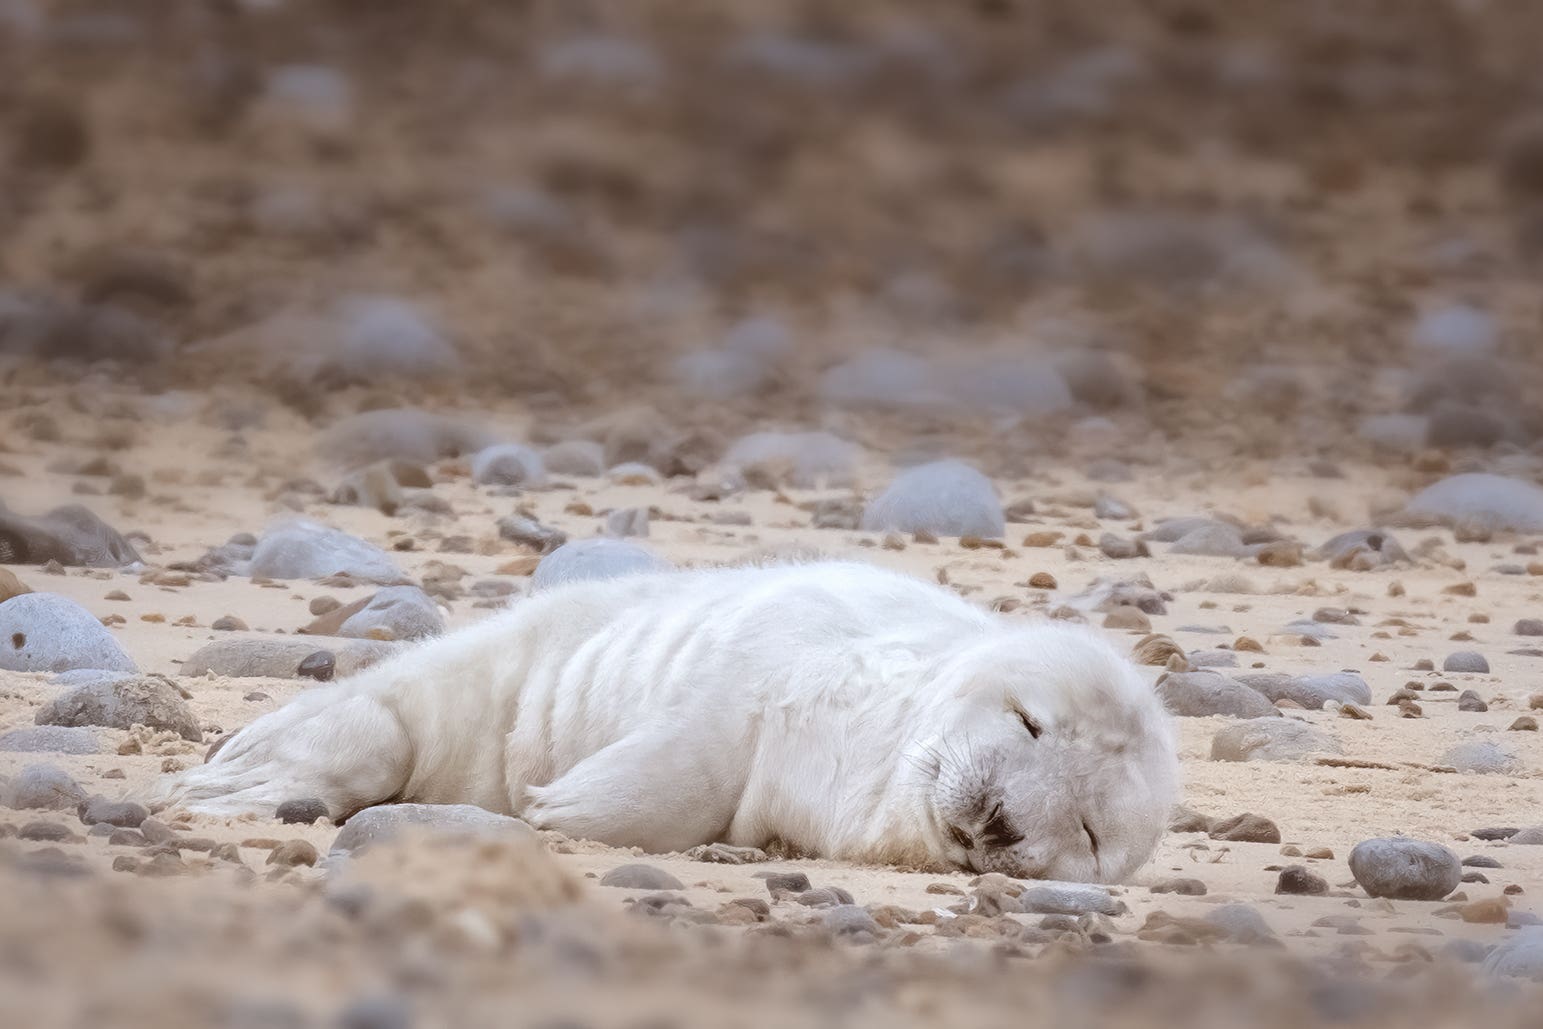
column 46, row 832
column 44, row 632
column 1117, row 548
column 1530, row 836
column 1465, row 661
column 591, row 559
column 945, row 498
column 1182, row 887
column 580, row 457
column 406, row 434
column 1245, row 828
column 1405, row 869
column 1528, row 627
column 1070, row 899
column 1480, row 501
column 801, row 460
column 850, row 920
column 1126, row 617
column 1217, row 539
column 125, row 814
column 395, row 613
column 1361, row 550
column 640, row 877
column 1310, row 691
column 627, row 522
column 1241, row 923
column 277, row 658
column 786, row 882
column 1469, row 700
column 72, row 536
column 293, row 853
column 321, row 665
column 1523, row 723
column 1202, row 694
column 1478, row 756
column 508, row 464
column 123, row 703
column 528, row 532
column 301, row 812
column 377, row 824
column 46, row 787
column 1520, row 957
column 49, row 739
column 1296, row 879
column 1480, row 861
column 1270, row 739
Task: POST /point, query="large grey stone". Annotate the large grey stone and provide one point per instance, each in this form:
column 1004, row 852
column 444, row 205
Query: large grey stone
column 1480, row 500
column 1520, row 957
column 508, row 464
column 1479, row 756
column 403, row 612
column 121, row 703
column 49, row 739
column 380, row 823
column 575, row 457
column 946, row 498
column 1270, row 739
column 44, row 786
column 1403, row 869
column 401, row 433
column 1361, row 550
column 71, row 535
column 1311, row 691
column 1218, row 539
column 584, row 560
column 279, row 658
column 1070, row 899
column 44, row 632
column 1200, row 694
column 303, row 549
column 803, row 460
column 1242, row 923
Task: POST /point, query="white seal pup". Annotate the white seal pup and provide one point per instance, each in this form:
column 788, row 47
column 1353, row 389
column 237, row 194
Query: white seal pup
column 836, row 709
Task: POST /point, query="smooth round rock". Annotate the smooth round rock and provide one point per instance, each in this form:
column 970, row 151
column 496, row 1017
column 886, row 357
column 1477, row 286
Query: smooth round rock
column 124, row 814
column 398, row 613
column 601, row 558
column 280, row 658
column 508, row 464
column 1299, row 881
column 1520, row 957
column 1070, row 899
column 1403, row 869
column 1271, row 739
column 1201, row 694
column 54, row 739
column 1466, row 661
column 44, row 787
column 640, row 877
column 321, row 666
column 122, row 704
column 1480, row 500
column 1479, row 756
column 1310, row 691
column 382, row 822
column 301, row 812
column 945, row 498
column 44, row 632
column 303, row 549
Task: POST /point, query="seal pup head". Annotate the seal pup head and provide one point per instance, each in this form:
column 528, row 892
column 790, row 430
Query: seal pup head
column 1054, row 759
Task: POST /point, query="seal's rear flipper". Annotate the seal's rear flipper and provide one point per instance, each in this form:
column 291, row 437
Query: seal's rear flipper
column 346, row 749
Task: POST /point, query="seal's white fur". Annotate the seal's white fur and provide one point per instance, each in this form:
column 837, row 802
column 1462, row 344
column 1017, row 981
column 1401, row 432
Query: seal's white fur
column 835, row 708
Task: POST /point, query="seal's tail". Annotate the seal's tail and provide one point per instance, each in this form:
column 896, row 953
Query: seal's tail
column 339, row 745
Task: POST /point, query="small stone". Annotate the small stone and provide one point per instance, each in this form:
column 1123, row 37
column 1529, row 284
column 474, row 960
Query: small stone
column 46, row 832
column 1489, row 911
column 292, row 853
column 1070, row 899
column 121, row 703
column 1204, row 693
column 1468, row 700
column 319, row 666
column 1129, row 618
column 301, row 812
column 323, row 605
column 1405, row 869
column 640, row 877
column 1182, row 887
column 1524, row 723
column 382, row 822
column 1270, row 739
column 44, row 632
column 1042, row 581
column 1465, row 661
column 1478, row 756
column 122, row 813
column 1528, row 627
column 850, row 920
column 45, row 787
column 786, row 882
column 1295, row 879
column 1246, row 828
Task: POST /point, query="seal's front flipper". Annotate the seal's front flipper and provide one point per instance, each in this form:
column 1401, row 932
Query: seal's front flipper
column 647, row 790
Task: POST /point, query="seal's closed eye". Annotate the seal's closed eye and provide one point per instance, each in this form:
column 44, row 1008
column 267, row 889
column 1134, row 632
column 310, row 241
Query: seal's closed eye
column 1030, row 724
